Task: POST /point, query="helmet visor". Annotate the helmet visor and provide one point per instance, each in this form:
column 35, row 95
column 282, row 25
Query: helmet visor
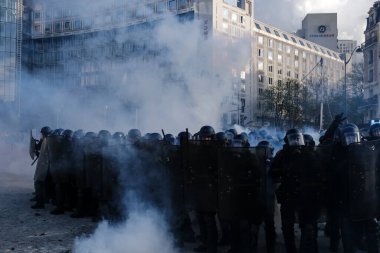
column 376, row 132
column 351, row 138
column 295, row 139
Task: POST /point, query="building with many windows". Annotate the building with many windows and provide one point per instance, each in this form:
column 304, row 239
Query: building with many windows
column 55, row 40
column 10, row 49
column 371, row 51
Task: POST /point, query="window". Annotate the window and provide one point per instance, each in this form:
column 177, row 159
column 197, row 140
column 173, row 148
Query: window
column 328, row 52
column 296, row 52
column 234, row 17
column 57, row 27
column 296, row 64
column 260, row 65
column 277, row 34
column 260, row 78
column 316, row 49
column 67, row 25
column 270, row 55
column 260, row 52
column 304, row 55
column 77, row 24
column 370, row 75
column 48, row 28
column 37, row 15
column 270, row 68
column 279, row 71
column 294, row 40
column 285, row 36
column 172, row 5
column 267, row 29
column 257, row 26
column 323, row 51
column 370, row 56
column 161, row 7
column 308, row 45
column 279, row 46
column 37, row 28
column 225, row 13
column 288, row 74
column 270, row 43
column 279, row 58
column 270, row 80
column 301, row 42
column 288, row 49
column 260, row 40
column 225, row 27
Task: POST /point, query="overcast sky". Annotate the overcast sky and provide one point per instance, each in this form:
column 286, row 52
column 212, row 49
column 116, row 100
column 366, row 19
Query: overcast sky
column 288, row 14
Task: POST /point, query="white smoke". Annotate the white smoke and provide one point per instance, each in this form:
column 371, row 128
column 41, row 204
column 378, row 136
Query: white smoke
column 145, row 231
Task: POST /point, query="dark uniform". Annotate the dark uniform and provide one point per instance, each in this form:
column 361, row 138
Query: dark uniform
column 41, row 174
column 290, row 168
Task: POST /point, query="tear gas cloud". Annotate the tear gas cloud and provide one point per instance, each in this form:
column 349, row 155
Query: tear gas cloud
column 145, row 232
column 174, row 79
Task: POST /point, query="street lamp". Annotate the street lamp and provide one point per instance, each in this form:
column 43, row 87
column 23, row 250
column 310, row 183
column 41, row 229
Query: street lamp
column 357, row 49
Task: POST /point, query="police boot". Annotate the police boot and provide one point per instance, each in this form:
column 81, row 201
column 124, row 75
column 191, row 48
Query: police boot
column 59, row 209
column 79, row 211
column 39, row 196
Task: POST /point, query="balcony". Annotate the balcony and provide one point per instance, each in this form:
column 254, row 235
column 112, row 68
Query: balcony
column 370, row 41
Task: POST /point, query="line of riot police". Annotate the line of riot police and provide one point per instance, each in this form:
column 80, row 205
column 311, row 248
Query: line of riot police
column 219, row 177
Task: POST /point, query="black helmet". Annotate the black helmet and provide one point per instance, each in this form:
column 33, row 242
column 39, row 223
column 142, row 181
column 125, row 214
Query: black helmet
column 230, row 136
column 206, row 133
column 221, row 138
column 294, row 137
column 265, row 144
column 169, row 138
column 45, row 131
column 68, row 134
column 349, row 134
column 118, row 137
column 155, row 137
column 374, row 130
column 90, row 135
column 309, row 140
column 58, row 131
column 78, row 134
column 240, row 141
column 184, row 136
column 104, row 134
column 133, row 135
column 233, row 131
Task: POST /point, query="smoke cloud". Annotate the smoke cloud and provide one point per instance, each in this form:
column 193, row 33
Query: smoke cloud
column 144, row 232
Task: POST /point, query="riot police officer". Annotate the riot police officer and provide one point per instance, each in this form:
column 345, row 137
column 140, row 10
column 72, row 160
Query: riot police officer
column 267, row 200
column 351, row 227
column 206, row 219
column 289, row 168
column 41, row 175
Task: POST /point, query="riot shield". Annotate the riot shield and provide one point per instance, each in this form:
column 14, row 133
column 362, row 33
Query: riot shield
column 93, row 161
column 363, row 192
column 43, row 163
column 311, row 183
column 201, row 176
column 32, row 146
column 112, row 188
column 239, row 183
column 56, row 156
column 173, row 171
